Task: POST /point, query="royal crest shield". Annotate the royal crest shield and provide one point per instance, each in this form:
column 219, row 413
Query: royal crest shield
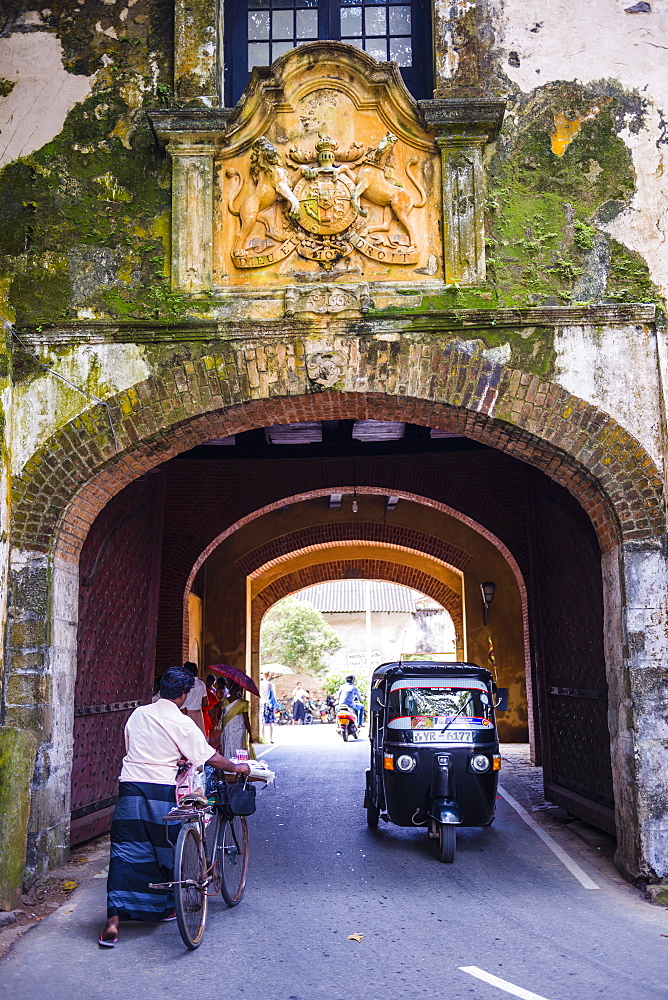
column 325, row 204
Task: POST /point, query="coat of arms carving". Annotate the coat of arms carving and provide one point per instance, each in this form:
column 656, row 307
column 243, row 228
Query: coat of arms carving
column 327, row 171
column 318, row 211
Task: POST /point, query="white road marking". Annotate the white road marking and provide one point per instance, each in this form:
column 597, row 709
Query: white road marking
column 573, row 866
column 502, row 984
column 262, row 748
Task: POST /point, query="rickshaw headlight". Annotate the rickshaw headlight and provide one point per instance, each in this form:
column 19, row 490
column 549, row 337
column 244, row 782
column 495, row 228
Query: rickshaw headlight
column 480, row 763
column 405, row 762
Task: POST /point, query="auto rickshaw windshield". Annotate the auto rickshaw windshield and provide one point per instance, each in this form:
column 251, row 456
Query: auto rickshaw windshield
column 432, row 703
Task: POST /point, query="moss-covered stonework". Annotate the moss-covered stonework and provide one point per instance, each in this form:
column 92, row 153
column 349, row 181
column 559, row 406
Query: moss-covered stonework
column 17, row 759
column 546, row 207
column 88, row 215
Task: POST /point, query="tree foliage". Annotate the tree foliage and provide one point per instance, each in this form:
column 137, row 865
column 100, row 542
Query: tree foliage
column 296, row 634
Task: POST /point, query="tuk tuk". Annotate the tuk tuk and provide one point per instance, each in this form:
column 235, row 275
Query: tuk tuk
column 434, row 748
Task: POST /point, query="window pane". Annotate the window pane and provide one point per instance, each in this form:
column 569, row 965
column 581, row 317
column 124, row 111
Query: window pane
column 400, row 20
column 374, row 21
column 280, row 48
column 401, row 51
column 259, row 4
column 357, row 42
column 258, row 54
column 282, row 24
column 351, row 21
column 307, row 24
column 258, row 24
column 306, row 3
column 377, row 47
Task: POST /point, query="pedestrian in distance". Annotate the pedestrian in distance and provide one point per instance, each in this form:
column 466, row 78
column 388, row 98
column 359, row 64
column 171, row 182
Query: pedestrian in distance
column 268, row 703
column 299, row 696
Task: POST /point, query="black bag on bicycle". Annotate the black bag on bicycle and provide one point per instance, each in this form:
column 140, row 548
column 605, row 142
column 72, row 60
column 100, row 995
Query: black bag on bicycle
column 237, row 799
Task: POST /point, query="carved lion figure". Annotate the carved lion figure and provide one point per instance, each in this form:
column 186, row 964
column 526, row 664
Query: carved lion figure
column 375, row 182
column 270, row 183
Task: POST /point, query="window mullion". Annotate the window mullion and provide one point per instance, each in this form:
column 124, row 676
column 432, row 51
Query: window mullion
column 332, row 18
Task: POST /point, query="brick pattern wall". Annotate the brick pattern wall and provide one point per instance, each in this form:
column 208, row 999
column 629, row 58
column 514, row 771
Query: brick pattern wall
column 309, row 539
column 240, row 387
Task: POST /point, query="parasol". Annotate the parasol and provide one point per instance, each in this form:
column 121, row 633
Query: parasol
column 234, row 674
column 277, row 669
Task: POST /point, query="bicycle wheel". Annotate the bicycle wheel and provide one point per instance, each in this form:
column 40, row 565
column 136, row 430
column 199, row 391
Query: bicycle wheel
column 189, row 889
column 211, row 839
column 233, row 859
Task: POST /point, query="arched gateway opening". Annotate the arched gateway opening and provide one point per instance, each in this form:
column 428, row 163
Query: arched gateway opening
column 142, row 529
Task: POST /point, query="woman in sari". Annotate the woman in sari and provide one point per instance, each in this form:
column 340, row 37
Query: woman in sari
column 234, row 724
column 209, row 712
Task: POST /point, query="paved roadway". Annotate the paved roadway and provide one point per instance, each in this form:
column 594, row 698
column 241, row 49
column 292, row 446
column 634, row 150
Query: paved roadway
column 507, row 909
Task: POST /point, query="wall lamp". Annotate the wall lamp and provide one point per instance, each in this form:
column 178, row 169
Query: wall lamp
column 488, row 590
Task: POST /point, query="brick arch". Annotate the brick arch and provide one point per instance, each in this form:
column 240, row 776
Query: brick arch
column 455, row 557
column 66, row 483
column 323, row 535
column 366, row 568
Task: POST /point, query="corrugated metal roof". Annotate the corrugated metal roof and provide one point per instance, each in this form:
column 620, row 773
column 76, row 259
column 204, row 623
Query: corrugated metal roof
column 350, row 595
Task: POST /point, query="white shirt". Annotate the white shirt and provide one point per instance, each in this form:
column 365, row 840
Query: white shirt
column 266, row 687
column 193, row 700
column 156, row 736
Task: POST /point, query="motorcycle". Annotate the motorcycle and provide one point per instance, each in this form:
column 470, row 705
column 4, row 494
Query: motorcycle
column 346, row 723
column 283, row 715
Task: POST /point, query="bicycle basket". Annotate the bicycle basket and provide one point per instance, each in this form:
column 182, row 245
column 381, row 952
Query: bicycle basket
column 237, row 799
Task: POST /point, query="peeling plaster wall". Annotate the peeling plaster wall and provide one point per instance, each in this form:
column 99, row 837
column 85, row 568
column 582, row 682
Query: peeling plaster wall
column 44, row 93
column 43, row 405
column 616, row 370
column 599, row 41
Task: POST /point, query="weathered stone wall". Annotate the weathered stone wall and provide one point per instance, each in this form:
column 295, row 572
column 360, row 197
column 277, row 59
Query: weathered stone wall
column 547, row 358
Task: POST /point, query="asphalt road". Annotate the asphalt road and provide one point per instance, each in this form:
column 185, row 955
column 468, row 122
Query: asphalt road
column 507, row 908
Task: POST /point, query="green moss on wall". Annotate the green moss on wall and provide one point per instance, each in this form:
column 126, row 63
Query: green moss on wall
column 17, row 759
column 87, row 217
column 545, row 210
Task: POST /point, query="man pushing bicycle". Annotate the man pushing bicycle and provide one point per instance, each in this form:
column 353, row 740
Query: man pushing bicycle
column 157, row 738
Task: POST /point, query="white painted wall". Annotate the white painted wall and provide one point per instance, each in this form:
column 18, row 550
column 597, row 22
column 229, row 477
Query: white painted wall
column 43, row 95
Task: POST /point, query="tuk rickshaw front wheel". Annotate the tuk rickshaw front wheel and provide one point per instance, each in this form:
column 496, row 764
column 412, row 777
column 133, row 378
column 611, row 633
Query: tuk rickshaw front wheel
column 372, row 815
column 447, row 841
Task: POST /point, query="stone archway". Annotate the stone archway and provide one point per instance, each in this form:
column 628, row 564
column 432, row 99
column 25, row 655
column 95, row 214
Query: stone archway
column 70, row 479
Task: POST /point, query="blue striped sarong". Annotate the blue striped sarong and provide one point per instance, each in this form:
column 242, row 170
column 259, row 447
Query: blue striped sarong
column 141, row 853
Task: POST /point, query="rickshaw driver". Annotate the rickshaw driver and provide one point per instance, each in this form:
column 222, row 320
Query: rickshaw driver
column 350, row 696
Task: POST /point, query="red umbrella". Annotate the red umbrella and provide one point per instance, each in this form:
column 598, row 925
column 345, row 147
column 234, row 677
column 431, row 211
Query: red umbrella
column 234, row 674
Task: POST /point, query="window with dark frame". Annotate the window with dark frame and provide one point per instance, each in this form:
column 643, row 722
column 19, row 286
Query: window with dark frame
column 259, row 31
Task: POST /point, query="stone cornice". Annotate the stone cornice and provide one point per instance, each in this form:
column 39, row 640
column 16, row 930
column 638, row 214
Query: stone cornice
column 453, row 116
column 447, row 321
column 184, row 123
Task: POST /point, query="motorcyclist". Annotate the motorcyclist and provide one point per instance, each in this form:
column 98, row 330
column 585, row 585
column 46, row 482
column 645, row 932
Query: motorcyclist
column 349, row 695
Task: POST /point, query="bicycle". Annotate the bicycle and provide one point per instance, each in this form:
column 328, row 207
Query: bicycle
column 211, row 856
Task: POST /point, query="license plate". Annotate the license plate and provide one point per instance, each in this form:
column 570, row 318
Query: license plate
column 436, row 736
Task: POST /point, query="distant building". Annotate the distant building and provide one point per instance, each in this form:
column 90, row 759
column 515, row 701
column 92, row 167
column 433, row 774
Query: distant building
column 401, row 621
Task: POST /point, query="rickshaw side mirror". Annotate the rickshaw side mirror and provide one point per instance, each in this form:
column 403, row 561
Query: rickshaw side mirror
column 501, row 703
column 376, row 703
